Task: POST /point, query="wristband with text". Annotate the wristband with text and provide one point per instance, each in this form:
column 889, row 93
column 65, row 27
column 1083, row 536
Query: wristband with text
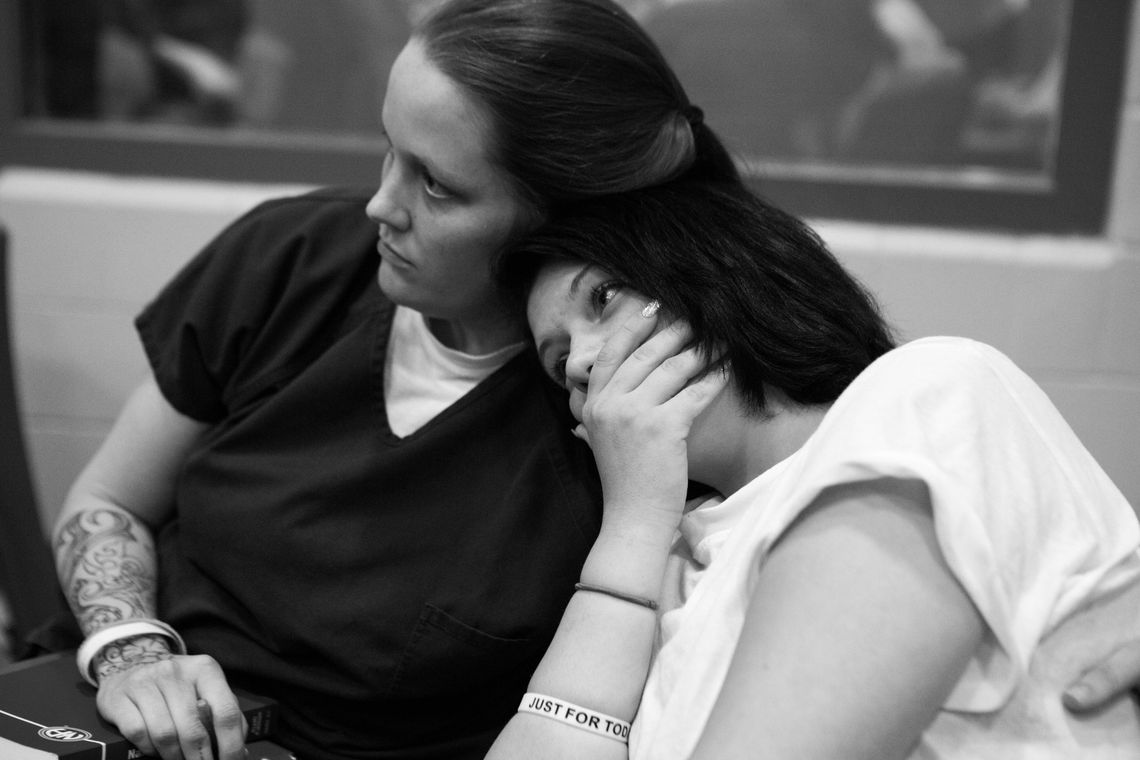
column 578, row 717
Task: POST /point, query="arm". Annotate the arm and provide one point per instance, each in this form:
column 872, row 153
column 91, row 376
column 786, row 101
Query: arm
column 855, row 635
column 105, row 557
column 638, row 415
column 104, row 527
column 600, row 655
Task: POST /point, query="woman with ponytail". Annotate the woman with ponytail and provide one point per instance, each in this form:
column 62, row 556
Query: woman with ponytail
column 347, row 484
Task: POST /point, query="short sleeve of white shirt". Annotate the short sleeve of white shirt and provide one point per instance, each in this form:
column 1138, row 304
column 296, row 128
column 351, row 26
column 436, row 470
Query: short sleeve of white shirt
column 1027, row 520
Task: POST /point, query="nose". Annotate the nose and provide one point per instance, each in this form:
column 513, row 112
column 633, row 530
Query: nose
column 387, row 205
column 579, row 362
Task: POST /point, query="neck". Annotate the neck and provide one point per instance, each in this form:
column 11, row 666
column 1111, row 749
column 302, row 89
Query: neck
column 729, row 448
column 475, row 337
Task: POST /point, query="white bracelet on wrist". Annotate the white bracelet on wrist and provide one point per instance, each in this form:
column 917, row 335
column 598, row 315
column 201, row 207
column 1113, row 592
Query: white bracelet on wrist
column 578, row 717
column 104, row 637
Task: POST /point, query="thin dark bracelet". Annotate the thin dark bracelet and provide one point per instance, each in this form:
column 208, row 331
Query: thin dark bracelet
column 617, row 595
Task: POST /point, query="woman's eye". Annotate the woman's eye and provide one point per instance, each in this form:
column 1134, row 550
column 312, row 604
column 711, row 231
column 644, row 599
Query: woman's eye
column 434, row 188
column 605, row 292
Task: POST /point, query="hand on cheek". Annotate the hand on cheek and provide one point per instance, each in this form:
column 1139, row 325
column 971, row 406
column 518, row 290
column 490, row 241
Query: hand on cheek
column 640, row 406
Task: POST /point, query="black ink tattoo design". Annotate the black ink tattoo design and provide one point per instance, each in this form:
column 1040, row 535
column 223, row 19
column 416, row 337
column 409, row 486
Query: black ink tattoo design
column 125, row 654
column 106, row 567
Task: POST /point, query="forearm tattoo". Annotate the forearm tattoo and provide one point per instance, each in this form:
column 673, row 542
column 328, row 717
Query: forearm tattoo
column 106, row 565
column 128, row 653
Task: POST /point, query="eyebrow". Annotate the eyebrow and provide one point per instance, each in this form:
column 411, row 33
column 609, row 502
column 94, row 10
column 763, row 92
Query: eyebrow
column 577, row 281
column 452, row 183
column 445, row 178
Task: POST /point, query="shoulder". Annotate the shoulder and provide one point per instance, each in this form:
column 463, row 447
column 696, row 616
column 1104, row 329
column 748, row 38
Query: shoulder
column 321, row 198
column 937, row 365
column 324, row 206
column 942, row 352
column 314, row 251
column 936, row 389
column 326, row 228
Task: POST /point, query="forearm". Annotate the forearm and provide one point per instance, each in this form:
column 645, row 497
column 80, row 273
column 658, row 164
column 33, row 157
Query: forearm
column 599, row 659
column 104, row 549
column 106, row 562
column 600, row 655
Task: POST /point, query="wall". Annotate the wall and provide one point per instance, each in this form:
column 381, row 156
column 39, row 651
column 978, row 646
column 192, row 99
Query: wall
column 86, row 253
column 89, row 250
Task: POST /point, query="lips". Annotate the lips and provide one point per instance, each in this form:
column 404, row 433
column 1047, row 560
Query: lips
column 389, row 254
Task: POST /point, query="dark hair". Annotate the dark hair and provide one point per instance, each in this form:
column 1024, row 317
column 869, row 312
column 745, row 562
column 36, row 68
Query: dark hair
column 581, row 101
column 757, row 284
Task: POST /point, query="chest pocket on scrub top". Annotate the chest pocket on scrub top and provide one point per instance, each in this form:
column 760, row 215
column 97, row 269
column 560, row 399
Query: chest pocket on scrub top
column 444, row 654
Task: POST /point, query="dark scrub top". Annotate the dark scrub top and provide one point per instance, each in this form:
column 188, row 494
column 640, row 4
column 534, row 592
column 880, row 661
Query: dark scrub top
column 394, row 594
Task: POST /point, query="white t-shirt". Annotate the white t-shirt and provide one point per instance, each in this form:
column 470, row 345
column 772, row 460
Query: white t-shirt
column 1029, row 524
column 422, row 377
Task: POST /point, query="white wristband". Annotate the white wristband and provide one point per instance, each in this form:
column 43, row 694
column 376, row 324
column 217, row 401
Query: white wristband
column 578, row 717
column 96, row 642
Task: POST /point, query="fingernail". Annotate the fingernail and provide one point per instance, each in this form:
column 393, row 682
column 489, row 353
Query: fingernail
column 580, row 433
column 1076, row 695
column 651, row 308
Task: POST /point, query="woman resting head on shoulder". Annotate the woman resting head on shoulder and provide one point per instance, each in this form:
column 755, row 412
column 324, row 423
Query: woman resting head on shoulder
column 497, row 113
column 909, row 554
column 757, row 287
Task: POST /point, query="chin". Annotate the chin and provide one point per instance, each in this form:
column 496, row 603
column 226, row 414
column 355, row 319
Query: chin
column 394, row 285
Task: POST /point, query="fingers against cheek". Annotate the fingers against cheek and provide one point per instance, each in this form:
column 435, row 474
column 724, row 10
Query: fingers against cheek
column 657, row 351
column 674, row 372
column 699, row 394
column 619, row 346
